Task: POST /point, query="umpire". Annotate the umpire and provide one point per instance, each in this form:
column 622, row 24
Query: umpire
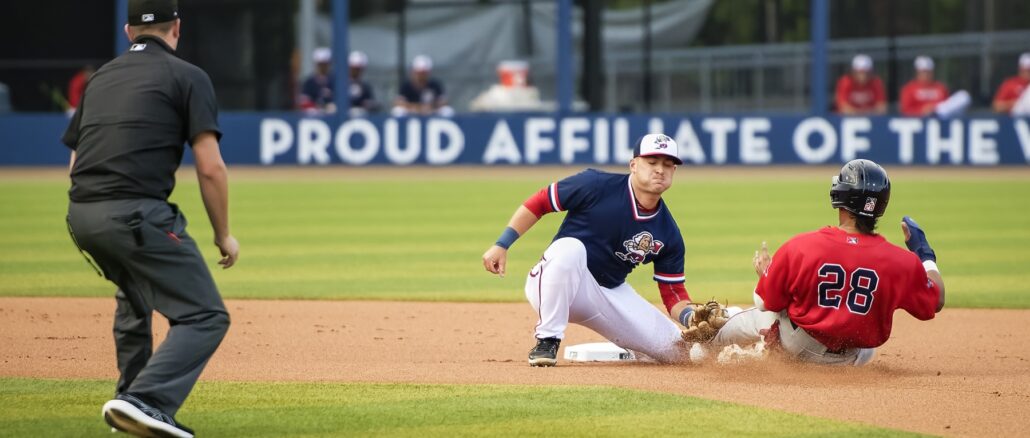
column 127, row 139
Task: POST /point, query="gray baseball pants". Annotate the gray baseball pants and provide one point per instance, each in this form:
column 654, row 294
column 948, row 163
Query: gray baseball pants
column 141, row 245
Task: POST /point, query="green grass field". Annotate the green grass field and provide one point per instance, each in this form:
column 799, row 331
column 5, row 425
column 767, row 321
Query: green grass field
column 422, row 239
column 30, row 408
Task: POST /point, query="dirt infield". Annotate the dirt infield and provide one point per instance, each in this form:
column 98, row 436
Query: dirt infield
column 965, row 373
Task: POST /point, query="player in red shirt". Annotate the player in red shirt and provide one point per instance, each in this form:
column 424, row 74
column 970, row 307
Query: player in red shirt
column 861, row 92
column 1010, row 90
column 829, row 296
column 77, row 85
column 920, row 96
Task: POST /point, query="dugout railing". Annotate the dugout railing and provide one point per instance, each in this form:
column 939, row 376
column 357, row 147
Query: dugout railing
column 770, row 78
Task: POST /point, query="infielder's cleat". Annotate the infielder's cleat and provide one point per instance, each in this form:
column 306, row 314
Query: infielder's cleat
column 132, row 416
column 545, row 354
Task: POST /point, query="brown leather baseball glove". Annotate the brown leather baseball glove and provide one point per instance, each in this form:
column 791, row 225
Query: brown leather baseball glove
column 704, row 322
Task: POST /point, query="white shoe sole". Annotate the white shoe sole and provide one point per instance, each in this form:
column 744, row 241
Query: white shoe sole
column 124, row 416
column 542, row 362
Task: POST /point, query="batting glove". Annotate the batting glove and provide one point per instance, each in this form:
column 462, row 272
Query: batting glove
column 917, row 242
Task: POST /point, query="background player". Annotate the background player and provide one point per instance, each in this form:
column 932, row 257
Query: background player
column 127, row 141
column 1013, row 88
column 920, row 96
column 615, row 222
column 316, row 93
column 421, row 93
column 362, row 100
column 829, row 296
column 861, row 91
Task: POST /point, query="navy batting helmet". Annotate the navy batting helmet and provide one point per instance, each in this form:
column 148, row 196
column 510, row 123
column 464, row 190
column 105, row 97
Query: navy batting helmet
column 861, row 188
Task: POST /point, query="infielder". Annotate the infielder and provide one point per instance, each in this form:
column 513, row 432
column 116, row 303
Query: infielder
column 615, row 222
column 829, row 296
column 127, row 141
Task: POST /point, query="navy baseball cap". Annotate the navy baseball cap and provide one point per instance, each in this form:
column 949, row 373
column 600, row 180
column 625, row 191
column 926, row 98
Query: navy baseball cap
column 152, row 11
column 657, row 144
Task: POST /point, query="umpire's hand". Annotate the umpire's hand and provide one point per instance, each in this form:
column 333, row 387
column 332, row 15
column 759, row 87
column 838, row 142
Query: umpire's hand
column 230, row 250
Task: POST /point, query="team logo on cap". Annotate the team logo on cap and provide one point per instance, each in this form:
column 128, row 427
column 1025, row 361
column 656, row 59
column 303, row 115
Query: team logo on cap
column 146, row 18
column 662, row 142
column 639, row 247
column 870, row 205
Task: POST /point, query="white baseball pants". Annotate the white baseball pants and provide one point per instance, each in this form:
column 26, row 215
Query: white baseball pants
column 562, row 290
column 745, row 328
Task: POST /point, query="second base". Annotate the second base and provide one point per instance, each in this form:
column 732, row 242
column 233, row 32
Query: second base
column 598, row 352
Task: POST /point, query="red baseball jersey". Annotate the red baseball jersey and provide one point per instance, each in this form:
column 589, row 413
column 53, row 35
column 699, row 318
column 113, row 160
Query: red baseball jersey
column 863, row 97
column 917, row 97
column 76, row 86
column 843, row 288
column 1011, row 89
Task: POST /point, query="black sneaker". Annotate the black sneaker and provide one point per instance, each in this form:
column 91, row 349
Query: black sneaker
column 545, row 354
column 131, row 415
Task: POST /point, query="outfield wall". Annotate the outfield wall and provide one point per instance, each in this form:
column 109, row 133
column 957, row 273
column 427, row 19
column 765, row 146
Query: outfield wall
column 519, row 139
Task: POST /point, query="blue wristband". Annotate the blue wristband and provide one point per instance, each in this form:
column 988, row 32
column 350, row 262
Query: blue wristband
column 508, row 237
column 684, row 317
column 917, row 242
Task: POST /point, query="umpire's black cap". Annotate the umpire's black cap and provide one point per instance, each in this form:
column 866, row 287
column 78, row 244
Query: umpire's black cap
column 152, row 11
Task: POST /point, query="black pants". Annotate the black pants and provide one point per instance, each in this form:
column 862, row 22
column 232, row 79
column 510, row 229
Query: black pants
column 142, row 247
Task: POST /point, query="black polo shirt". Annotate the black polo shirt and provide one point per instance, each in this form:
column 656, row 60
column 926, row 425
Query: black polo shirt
column 136, row 114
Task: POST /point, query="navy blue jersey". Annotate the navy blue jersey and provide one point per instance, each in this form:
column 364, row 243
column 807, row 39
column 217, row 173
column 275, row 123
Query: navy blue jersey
column 360, row 94
column 430, row 94
column 318, row 90
column 603, row 214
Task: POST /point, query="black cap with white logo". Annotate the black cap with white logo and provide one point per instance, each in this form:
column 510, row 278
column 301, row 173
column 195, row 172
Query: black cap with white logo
column 152, row 11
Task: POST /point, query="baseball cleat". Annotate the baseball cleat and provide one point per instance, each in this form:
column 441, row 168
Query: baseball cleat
column 131, row 415
column 545, row 354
